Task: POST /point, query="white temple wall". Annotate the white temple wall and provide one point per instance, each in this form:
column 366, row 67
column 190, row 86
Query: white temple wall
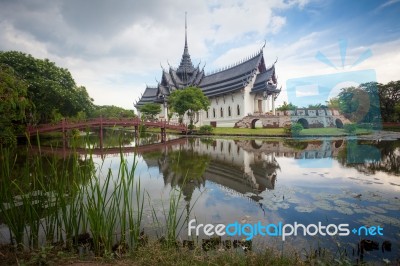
column 228, row 110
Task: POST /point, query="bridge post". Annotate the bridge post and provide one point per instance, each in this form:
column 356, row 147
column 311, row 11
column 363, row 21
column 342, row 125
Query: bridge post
column 136, row 131
column 64, row 133
column 163, row 135
column 163, row 131
column 101, row 132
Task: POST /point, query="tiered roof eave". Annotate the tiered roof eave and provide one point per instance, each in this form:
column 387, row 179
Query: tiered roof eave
column 228, row 80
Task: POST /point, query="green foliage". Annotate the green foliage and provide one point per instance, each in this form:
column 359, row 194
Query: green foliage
column 56, row 117
column 333, row 103
column 350, row 128
column 295, row 144
column 190, row 100
column 360, row 104
column 150, row 110
column 7, row 136
column 13, row 104
column 111, row 111
column 287, row 107
column 49, row 87
column 389, row 95
column 293, row 129
column 206, row 129
column 296, row 128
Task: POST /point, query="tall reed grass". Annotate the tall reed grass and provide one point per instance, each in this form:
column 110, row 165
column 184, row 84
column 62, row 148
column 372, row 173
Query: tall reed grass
column 72, row 201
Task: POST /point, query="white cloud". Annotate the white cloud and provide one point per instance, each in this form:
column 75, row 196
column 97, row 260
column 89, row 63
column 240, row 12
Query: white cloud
column 115, row 49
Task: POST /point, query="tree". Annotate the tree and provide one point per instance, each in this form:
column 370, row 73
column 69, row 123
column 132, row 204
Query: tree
column 190, row 100
column 286, row 107
column 360, row 104
column 333, row 103
column 14, row 104
column 389, row 96
column 150, row 110
column 49, row 87
column 111, row 111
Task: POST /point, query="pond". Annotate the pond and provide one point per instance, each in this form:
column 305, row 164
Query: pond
column 347, row 185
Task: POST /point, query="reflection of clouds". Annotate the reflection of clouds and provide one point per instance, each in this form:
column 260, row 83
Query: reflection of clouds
column 346, row 203
column 337, row 175
column 380, row 219
column 239, row 187
column 217, row 206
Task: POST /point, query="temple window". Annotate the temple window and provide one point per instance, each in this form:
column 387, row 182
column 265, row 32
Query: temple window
column 238, row 109
column 229, row 111
column 214, row 112
column 222, row 112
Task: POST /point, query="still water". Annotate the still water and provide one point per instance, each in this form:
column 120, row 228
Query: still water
column 274, row 181
column 284, row 182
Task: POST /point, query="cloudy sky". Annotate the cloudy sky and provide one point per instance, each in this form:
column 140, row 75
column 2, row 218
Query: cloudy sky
column 115, row 48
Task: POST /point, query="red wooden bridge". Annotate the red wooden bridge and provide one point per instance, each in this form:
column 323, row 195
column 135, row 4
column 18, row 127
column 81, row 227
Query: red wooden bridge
column 65, row 125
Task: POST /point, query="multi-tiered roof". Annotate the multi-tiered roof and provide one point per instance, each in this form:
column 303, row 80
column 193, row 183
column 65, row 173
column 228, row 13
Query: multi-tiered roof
column 226, row 81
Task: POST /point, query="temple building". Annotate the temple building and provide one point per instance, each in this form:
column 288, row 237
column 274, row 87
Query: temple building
column 245, row 88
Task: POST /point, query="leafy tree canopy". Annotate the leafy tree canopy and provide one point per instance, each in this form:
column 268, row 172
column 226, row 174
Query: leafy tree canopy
column 389, row 96
column 333, row 103
column 111, row 111
column 190, row 100
column 49, row 87
column 14, row 104
column 360, row 104
column 286, row 107
column 149, row 110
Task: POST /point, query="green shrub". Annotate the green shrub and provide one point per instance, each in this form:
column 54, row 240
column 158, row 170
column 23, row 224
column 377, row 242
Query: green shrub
column 7, row 136
column 293, row 129
column 206, row 129
column 350, row 128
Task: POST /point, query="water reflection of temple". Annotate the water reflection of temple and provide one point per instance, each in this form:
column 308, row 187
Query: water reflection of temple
column 241, row 167
column 311, row 149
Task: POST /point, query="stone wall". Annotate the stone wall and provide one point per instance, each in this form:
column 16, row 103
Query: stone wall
column 309, row 118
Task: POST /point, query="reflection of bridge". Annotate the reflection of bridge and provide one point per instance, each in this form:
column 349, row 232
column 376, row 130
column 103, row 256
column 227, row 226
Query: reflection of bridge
column 65, row 125
column 65, row 151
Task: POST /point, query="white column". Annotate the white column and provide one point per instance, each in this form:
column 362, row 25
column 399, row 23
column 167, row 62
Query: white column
column 264, row 106
column 165, row 112
column 273, row 103
column 267, row 104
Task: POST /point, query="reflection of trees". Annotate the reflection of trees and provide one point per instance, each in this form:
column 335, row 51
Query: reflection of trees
column 111, row 138
column 49, row 168
column 265, row 174
column 184, row 168
column 295, row 144
column 32, row 187
column 387, row 153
